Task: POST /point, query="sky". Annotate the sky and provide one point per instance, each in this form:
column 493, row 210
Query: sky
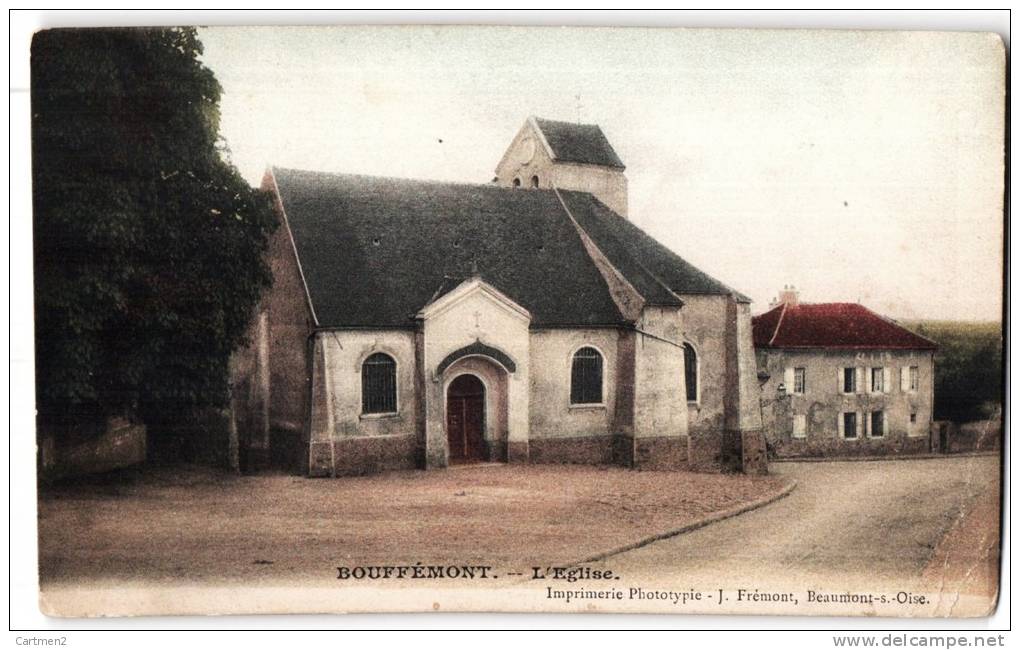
column 860, row 166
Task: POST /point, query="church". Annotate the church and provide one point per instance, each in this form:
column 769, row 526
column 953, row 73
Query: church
column 422, row 324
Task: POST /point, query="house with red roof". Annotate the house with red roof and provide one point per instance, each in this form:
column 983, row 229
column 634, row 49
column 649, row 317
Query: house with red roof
column 420, row 324
column 840, row 380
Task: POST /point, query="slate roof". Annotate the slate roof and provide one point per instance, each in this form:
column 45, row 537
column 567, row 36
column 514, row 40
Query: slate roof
column 837, row 325
column 375, row 251
column 579, row 143
column 627, row 246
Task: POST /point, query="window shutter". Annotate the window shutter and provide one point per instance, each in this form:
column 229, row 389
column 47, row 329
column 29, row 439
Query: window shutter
column 867, row 424
column 885, row 424
column 839, row 380
column 859, row 426
column 886, row 380
column 905, row 378
column 839, row 424
column 862, row 380
column 788, row 379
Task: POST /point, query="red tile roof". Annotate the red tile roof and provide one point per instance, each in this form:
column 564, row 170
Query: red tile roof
column 838, row 325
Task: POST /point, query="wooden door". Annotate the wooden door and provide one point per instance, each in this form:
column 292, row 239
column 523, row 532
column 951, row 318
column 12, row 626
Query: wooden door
column 465, row 419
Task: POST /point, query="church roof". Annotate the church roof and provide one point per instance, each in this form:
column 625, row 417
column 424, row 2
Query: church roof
column 579, row 143
column 838, row 325
column 639, row 256
column 374, row 251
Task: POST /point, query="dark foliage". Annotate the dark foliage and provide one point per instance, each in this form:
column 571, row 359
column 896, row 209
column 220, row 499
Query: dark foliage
column 148, row 243
column 968, row 368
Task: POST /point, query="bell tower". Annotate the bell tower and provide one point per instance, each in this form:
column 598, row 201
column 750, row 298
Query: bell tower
column 546, row 154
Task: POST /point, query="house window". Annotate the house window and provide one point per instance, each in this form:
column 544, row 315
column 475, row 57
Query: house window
column 915, row 380
column 799, row 380
column 877, row 383
column 850, row 425
column 800, row 426
column 534, row 181
column 691, row 372
column 586, row 377
column 517, row 182
column 877, row 424
column 913, row 417
column 849, row 380
column 379, row 384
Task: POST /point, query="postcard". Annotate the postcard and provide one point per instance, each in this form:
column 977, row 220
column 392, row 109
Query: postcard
column 518, row 319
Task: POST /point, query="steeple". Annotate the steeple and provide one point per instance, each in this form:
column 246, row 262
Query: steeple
column 567, row 156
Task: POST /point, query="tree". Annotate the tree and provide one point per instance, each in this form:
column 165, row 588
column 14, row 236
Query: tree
column 148, row 243
column 968, row 368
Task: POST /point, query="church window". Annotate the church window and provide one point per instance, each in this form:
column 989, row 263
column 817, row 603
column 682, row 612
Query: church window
column 379, row 384
column 691, row 372
column 586, row 377
column 517, row 182
column 534, row 181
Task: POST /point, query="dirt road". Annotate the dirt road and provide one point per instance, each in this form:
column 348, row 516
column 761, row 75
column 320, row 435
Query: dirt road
column 849, row 526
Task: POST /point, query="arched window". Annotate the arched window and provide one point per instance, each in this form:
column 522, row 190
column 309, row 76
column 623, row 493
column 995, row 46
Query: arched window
column 586, row 377
column 517, row 182
column 379, row 384
column 534, row 181
column 691, row 372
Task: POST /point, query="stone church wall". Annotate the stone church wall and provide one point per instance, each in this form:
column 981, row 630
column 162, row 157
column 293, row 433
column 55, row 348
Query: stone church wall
column 725, row 422
column 343, row 439
column 561, row 432
column 269, row 377
column 704, row 318
column 660, row 417
column 288, row 325
column 747, row 432
column 605, row 183
column 477, row 317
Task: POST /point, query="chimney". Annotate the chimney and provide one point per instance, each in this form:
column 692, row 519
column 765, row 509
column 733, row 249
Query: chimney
column 788, row 296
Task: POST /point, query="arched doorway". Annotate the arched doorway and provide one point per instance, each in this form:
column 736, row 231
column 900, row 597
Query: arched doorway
column 465, row 419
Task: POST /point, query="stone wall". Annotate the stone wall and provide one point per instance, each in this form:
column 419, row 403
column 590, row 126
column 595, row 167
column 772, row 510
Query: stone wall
column 120, row 443
column 958, row 438
column 660, row 403
column 749, row 432
column 605, row 183
column 343, row 439
column 823, row 402
column 558, row 430
column 475, row 314
column 703, row 327
column 270, row 377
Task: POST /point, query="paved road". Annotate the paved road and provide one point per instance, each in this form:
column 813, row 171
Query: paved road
column 848, row 525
